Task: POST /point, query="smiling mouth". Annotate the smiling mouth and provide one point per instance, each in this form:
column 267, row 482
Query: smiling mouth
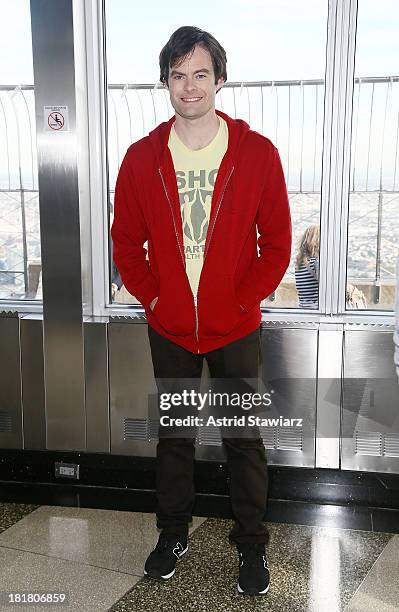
column 191, row 99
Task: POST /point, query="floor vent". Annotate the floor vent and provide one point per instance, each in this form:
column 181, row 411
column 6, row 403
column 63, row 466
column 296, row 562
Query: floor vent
column 369, row 443
column 153, row 425
column 135, row 429
column 269, row 437
column 209, row 436
column 282, row 438
column 391, row 445
column 289, row 438
column 5, row 422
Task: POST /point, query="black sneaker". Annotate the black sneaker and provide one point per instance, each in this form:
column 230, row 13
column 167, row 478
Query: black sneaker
column 161, row 562
column 254, row 571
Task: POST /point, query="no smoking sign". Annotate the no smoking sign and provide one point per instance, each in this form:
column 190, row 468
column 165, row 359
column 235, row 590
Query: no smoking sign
column 56, row 118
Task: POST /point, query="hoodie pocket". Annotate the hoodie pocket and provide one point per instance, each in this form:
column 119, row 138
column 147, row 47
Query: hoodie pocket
column 174, row 309
column 218, row 307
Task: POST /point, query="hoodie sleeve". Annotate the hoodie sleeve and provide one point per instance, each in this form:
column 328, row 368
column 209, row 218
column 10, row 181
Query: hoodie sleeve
column 129, row 233
column 396, row 333
column 275, row 235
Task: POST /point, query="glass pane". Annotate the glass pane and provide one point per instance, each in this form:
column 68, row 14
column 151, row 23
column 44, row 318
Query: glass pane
column 373, row 231
column 20, row 257
column 280, row 98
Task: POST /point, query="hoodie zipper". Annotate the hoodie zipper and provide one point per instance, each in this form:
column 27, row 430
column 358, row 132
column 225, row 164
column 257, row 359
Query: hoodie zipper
column 196, row 319
column 173, row 218
column 217, row 211
column 181, row 254
column 195, row 297
column 209, row 241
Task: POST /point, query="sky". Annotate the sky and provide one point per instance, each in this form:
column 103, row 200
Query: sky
column 264, row 39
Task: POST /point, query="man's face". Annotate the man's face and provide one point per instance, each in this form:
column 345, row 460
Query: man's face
column 192, row 86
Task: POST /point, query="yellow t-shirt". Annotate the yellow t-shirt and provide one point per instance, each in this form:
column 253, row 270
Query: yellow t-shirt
column 196, row 172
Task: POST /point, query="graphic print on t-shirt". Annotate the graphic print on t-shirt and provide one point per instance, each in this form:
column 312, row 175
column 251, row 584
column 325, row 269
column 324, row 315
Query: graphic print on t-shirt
column 196, row 172
column 195, row 195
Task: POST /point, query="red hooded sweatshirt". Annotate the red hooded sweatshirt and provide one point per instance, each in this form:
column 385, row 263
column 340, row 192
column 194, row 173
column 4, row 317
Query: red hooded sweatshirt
column 250, row 194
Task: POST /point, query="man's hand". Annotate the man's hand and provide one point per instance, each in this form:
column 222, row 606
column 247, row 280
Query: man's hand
column 152, row 304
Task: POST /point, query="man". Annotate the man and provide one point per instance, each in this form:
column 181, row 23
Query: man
column 197, row 189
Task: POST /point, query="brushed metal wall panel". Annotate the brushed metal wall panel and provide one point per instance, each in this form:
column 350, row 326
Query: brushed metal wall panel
column 33, row 395
column 329, row 396
column 289, row 365
column 97, row 390
column 370, row 411
column 10, row 384
column 283, row 350
column 131, row 379
column 54, row 74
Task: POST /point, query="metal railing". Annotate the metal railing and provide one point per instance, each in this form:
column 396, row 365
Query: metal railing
column 268, row 106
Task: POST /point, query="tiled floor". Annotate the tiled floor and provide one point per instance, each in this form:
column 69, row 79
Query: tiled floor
column 97, row 558
column 312, row 568
column 11, row 513
column 379, row 591
column 94, row 556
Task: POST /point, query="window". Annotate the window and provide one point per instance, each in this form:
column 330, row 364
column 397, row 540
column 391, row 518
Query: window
column 20, row 256
column 281, row 98
column 373, row 227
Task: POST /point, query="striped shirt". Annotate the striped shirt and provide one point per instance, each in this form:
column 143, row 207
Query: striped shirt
column 307, row 283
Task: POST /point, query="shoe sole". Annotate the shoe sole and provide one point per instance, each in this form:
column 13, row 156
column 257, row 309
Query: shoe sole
column 252, row 591
column 166, row 576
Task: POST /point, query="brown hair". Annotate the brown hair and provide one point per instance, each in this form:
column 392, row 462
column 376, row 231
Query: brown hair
column 309, row 245
column 182, row 44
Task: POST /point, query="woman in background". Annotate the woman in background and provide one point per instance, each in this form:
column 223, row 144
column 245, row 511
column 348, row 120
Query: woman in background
column 307, row 268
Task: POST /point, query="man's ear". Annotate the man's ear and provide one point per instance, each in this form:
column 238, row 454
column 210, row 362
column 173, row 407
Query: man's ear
column 220, row 84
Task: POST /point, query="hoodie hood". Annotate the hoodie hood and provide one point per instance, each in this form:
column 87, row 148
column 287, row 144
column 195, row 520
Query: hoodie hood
column 238, row 129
